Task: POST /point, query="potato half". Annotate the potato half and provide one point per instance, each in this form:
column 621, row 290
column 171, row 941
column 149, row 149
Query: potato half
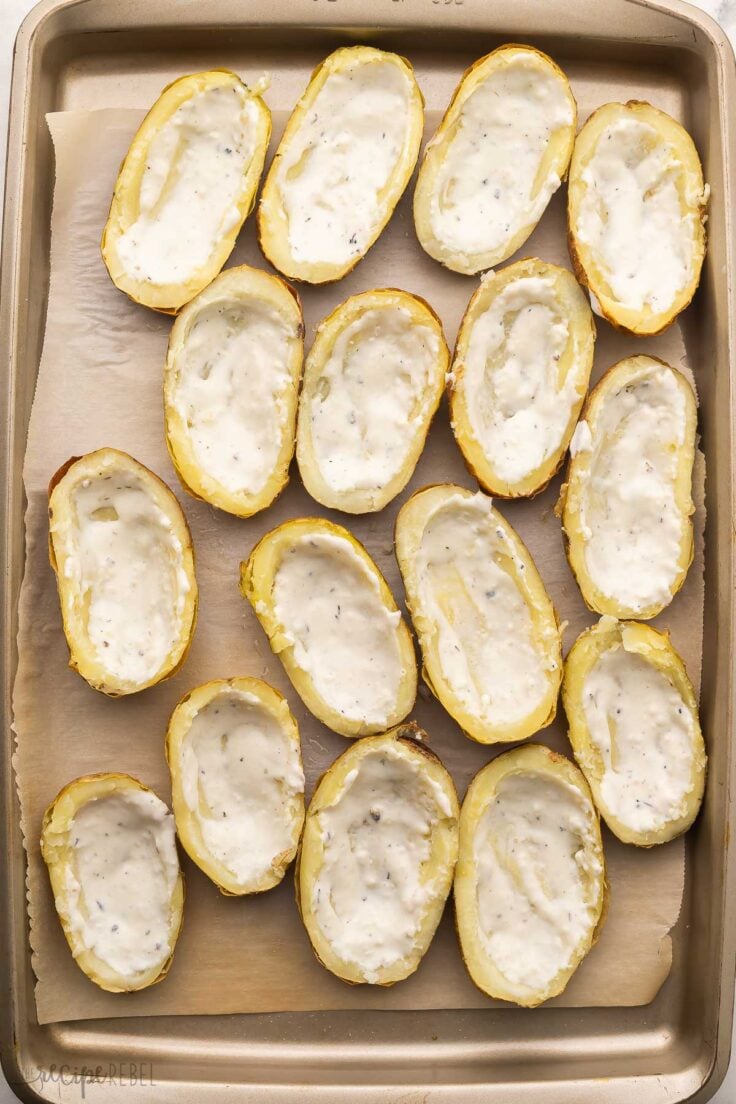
column 122, row 552
column 636, row 202
column 333, row 622
column 186, row 186
column 497, row 158
column 519, row 375
column 377, row 857
column 230, row 390
column 530, row 886
column 627, row 503
column 237, row 782
column 345, row 158
column 110, row 848
column 634, row 730
column 372, row 382
column 487, row 628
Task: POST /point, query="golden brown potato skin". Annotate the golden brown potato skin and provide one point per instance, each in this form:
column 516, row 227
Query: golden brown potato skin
column 54, row 844
column 409, row 740
column 656, row 649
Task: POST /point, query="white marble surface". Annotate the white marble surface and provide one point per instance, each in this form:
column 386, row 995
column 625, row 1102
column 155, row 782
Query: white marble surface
column 12, row 13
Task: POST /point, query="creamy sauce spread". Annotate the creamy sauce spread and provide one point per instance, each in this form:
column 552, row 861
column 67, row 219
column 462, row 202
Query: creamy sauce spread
column 123, row 869
column 240, row 774
column 631, row 216
column 582, row 439
column 518, row 397
column 191, row 184
column 372, row 394
column 537, row 864
column 231, row 376
column 128, row 568
column 343, row 155
column 631, row 524
column 372, row 892
column 488, row 186
column 492, row 656
column 330, row 607
column 643, row 732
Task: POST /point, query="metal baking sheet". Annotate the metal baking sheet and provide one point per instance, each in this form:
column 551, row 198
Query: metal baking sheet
column 102, row 53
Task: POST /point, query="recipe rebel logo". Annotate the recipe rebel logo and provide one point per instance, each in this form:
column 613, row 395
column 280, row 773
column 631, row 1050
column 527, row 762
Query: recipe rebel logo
column 119, row 1074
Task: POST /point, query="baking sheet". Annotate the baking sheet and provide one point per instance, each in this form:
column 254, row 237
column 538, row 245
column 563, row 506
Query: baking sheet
column 100, row 384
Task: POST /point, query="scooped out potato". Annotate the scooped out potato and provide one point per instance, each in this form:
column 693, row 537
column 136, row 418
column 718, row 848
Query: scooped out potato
column 377, row 857
column 121, row 549
column 635, row 731
column 372, row 382
column 636, row 226
column 487, row 628
column 110, row 848
column 237, row 782
column 186, row 186
column 333, row 622
column 344, row 160
column 530, row 884
column 230, row 390
column 627, row 504
column 499, row 154
column 519, row 375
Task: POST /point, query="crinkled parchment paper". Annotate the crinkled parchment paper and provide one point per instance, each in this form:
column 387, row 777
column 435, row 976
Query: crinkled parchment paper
column 100, row 384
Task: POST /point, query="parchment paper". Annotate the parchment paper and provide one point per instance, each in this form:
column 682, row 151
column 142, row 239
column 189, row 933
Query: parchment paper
column 100, row 384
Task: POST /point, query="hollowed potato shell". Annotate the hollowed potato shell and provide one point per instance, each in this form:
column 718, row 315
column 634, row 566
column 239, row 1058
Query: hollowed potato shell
column 656, row 649
column 55, row 849
column 187, row 822
column 82, row 654
column 124, row 210
column 240, row 285
column 693, row 198
column 408, row 741
column 576, row 363
column 530, row 759
column 257, row 577
column 359, row 500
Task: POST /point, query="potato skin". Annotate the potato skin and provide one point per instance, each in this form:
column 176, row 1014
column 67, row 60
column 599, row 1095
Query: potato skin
column 541, row 760
column 188, row 832
column 654, row 647
column 257, row 575
column 568, row 507
column 584, row 332
column 272, row 230
column 169, row 298
column 470, row 80
column 81, row 655
column 359, row 500
column 410, row 738
column 242, row 282
column 646, row 322
column 57, row 817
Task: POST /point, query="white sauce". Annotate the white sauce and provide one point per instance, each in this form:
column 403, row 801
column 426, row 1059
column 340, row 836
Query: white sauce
column 489, row 652
column 629, row 517
column 330, row 607
column 122, row 872
column 535, row 853
column 344, row 153
column 128, row 566
column 487, row 187
column 631, row 217
column 582, row 439
column 372, row 394
column 371, row 893
column 644, row 732
column 190, row 186
column 240, row 774
column 231, row 376
column 518, row 399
